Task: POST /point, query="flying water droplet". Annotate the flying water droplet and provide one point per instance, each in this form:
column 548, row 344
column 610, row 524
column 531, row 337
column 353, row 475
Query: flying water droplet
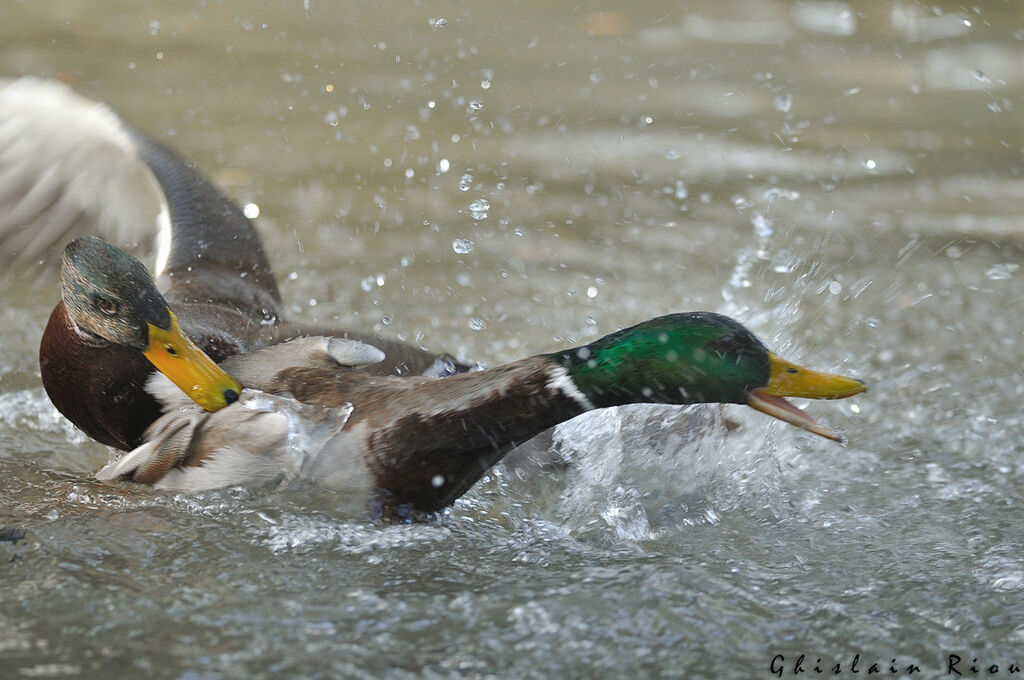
column 477, row 324
column 479, row 208
column 475, row 104
column 1002, row 271
column 681, row 191
column 784, row 102
column 462, row 246
column 438, row 22
column 762, row 225
column 466, row 182
column 368, row 283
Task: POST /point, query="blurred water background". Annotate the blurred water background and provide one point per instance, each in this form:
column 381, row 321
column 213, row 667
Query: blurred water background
column 502, row 179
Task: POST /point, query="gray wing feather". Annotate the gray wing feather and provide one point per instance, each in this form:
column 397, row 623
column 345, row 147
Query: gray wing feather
column 68, row 167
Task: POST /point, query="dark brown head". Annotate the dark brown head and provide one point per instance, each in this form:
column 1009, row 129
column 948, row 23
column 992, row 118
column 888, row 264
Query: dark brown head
column 110, row 297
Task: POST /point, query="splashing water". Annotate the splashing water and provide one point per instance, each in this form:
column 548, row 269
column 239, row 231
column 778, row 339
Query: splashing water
column 480, row 208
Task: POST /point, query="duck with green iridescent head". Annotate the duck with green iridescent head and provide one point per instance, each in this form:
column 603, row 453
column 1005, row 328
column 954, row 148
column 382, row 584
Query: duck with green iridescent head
column 401, row 444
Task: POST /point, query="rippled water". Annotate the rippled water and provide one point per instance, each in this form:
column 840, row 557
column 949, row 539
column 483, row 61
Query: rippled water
column 508, row 179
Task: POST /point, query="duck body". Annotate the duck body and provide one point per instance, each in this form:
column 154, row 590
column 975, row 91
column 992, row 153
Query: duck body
column 100, row 386
column 69, row 164
column 402, row 445
column 395, row 444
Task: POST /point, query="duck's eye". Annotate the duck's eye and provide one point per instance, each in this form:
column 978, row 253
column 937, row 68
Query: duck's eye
column 170, row 350
column 107, row 306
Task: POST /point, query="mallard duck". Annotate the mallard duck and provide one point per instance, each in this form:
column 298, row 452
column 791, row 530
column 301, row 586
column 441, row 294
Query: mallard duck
column 409, row 443
column 69, row 164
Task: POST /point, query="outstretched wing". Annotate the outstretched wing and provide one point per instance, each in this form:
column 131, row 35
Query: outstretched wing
column 71, row 166
column 67, row 168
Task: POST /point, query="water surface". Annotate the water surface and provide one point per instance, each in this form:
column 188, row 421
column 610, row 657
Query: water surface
column 508, row 179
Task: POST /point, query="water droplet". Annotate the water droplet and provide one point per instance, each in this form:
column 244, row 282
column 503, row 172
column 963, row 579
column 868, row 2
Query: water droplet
column 443, row 166
column 784, row 102
column 368, row 283
column 409, row 173
column 762, row 225
column 485, row 84
column 462, row 246
column 437, row 481
column 251, row 210
column 475, row 104
column 466, row 182
column 672, row 155
column 870, row 164
column 1002, row 271
column 477, row 324
column 479, row 208
column 592, row 292
column 835, row 288
column 438, row 22
column 292, row 276
column 681, row 191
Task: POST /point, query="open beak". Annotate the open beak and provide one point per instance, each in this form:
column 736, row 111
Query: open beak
column 790, row 380
column 188, row 367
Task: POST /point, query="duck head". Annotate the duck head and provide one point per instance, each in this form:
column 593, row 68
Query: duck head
column 111, row 298
column 700, row 357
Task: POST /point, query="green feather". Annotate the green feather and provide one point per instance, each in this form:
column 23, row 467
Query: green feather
column 676, row 359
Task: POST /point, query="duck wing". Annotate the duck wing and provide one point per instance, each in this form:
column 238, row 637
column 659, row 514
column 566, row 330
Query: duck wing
column 71, row 166
column 67, row 169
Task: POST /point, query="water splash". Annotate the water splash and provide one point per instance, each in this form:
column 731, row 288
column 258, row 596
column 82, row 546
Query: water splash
column 480, row 208
column 309, row 427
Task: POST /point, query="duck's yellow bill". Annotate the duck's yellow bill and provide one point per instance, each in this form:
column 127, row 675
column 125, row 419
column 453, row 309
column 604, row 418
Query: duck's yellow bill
column 176, row 356
column 789, row 380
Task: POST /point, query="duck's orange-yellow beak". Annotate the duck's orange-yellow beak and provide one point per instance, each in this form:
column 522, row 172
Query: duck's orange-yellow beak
column 789, row 380
column 176, row 356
